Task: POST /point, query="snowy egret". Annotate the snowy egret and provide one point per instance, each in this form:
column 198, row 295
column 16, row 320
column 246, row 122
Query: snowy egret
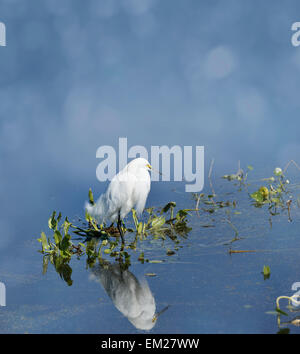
column 128, row 189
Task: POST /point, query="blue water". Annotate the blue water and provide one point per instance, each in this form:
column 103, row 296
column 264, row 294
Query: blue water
column 77, row 75
column 206, row 289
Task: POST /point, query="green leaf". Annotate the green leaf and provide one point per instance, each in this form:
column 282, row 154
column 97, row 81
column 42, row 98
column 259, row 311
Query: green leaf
column 168, row 206
column 150, row 210
column 257, row 196
column 266, row 270
column 52, row 222
column 94, row 224
column 140, row 227
column 66, row 225
column 181, row 214
column 158, row 222
column 275, row 200
column 58, row 218
column 135, row 219
column 57, row 237
column 91, row 197
column 44, row 241
column 65, row 243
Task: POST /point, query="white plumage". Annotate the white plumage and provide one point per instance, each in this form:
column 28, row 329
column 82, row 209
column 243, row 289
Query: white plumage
column 128, row 189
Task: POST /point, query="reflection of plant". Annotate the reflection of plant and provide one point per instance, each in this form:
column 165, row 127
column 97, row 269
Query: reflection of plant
column 60, row 251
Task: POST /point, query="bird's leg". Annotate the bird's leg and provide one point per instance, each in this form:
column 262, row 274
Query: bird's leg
column 119, row 225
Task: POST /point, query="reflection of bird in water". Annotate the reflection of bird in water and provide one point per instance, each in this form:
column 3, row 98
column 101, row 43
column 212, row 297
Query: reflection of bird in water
column 295, row 321
column 131, row 297
column 128, row 189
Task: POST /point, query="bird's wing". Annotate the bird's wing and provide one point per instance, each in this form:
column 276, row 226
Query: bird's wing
column 119, row 195
column 140, row 193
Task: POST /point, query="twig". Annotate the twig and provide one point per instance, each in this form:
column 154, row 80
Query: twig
column 240, row 251
column 234, row 228
column 209, row 176
column 288, row 203
column 197, row 204
column 211, row 186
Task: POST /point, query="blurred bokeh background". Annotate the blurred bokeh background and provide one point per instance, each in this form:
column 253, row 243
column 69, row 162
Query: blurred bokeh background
column 76, row 75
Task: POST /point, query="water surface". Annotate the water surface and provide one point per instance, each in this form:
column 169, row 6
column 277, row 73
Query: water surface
column 206, row 289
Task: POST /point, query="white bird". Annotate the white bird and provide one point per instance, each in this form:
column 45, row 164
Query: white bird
column 128, row 189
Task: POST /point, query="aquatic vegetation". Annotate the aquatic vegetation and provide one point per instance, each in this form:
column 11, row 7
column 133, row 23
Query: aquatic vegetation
column 208, row 204
column 266, row 272
column 168, row 225
column 162, row 225
column 273, row 193
column 217, row 212
column 166, row 222
column 240, row 176
column 239, row 207
column 62, row 245
column 97, row 241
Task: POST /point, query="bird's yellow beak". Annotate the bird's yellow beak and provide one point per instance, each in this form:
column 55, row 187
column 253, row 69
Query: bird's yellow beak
column 151, row 168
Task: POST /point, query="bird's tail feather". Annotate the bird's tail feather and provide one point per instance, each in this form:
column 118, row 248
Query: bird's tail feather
column 97, row 210
column 89, row 208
